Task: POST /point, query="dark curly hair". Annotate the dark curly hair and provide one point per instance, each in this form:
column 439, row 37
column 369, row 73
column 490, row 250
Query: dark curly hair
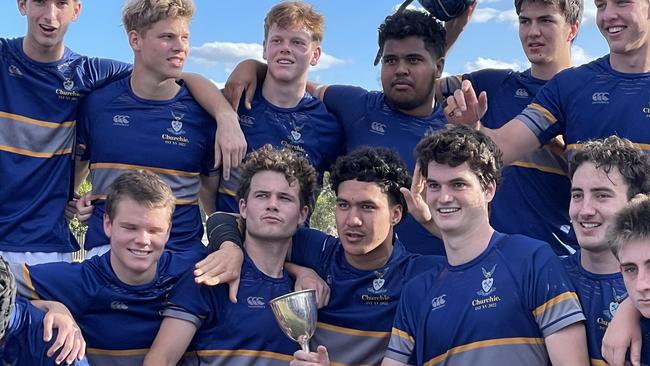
column 374, row 165
column 459, row 144
column 414, row 23
column 620, row 153
column 285, row 161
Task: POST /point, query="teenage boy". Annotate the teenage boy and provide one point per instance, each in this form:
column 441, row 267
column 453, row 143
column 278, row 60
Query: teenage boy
column 282, row 113
column 413, row 47
column 629, row 238
column 448, row 315
column 534, row 197
column 276, row 192
column 367, row 265
column 153, row 123
column 43, row 85
column 608, row 96
column 605, row 175
column 118, row 296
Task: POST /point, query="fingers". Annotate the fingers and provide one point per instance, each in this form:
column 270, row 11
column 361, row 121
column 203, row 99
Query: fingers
column 635, row 351
column 233, row 288
column 48, row 322
column 323, row 357
column 250, row 93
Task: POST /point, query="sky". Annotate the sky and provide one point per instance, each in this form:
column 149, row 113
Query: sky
column 224, row 32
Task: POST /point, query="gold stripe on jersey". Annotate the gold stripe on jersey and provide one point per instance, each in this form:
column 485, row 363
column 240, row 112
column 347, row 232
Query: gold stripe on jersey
column 354, row 332
column 35, row 154
column 19, row 118
column 403, row 334
column 554, row 301
column 544, row 111
column 484, row 344
column 179, row 173
column 547, row 169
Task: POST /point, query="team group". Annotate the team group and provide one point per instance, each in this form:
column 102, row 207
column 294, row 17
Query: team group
column 496, row 217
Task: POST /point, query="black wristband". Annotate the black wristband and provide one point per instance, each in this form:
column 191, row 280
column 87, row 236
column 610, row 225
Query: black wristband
column 222, row 227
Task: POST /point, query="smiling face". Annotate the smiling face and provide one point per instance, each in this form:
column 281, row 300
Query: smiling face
column 364, row 218
column 138, row 236
column 272, row 208
column 455, row 197
column 47, row 23
column 408, row 74
column 161, row 50
column 544, row 33
column 289, row 53
column 625, row 24
column 596, row 199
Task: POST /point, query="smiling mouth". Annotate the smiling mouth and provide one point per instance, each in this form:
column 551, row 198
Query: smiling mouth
column 615, row 30
column 139, row 252
column 448, row 210
column 589, row 225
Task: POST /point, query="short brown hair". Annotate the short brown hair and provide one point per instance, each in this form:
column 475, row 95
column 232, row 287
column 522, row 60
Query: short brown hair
column 571, row 9
column 458, row 144
column 140, row 15
column 144, row 187
column 631, row 223
column 285, row 161
column 295, row 13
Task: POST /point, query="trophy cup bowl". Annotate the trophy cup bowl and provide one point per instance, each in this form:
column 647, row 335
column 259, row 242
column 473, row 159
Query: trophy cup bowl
column 296, row 314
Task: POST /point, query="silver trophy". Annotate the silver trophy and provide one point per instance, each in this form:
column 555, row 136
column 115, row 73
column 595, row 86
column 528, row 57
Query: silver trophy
column 296, row 315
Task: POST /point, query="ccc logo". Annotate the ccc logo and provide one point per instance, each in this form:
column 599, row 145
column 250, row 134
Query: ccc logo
column 255, row 301
column 121, row 119
column 600, row 97
column 378, row 127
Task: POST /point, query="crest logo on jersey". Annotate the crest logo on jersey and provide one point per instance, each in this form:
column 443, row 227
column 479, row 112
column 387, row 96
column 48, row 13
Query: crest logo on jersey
column 378, row 128
column 15, row 71
column 438, row 302
column 378, row 282
column 255, row 302
column 487, row 286
column 600, row 98
column 177, row 124
column 565, row 228
column 521, row 93
column 613, row 306
column 68, row 84
column 296, row 135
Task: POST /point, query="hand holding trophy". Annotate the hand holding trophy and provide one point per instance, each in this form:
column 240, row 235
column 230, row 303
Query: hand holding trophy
column 296, row 315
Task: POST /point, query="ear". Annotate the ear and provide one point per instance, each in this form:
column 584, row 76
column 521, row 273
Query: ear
column 107, row 225
column 440, row 65
column 490, row 190
column 396, row 213
column 315, row 56
column 22, row 7
column 304, row 211
column 242, row 208
column 573, row 33
column 264, row 50
column 76, row 10
column 134, row 40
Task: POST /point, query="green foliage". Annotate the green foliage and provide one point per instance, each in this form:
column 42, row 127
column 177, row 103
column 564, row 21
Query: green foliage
column 323, row 216
column 77, row 228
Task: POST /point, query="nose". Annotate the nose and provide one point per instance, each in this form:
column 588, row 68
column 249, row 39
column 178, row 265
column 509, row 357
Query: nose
column 272, row 204
column 608, row 12
column 352, row 219
column 50, row 10
column 534, row 30
column 401, row 68
column 587, row 208
column 642, row 280
column 143, row 237
column 444, row 195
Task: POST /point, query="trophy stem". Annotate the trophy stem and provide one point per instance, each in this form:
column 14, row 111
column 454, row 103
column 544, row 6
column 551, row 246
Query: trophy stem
column 305, row 346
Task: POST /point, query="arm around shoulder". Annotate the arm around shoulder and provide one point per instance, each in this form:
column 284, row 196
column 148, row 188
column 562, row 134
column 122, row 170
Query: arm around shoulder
column 568, row 346
column 173, row 338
